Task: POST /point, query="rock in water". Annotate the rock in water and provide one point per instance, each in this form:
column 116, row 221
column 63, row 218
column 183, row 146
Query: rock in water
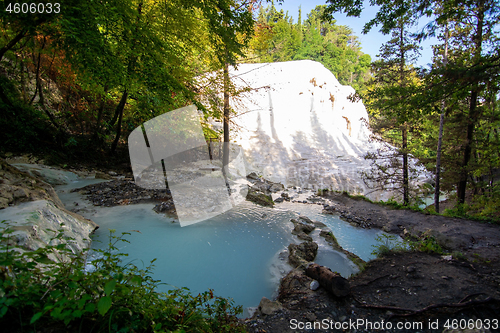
column 259, row 198
column 303, row 253
column 331, row 281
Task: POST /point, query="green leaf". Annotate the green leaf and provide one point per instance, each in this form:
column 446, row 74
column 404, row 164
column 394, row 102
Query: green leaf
column 104, row 305
column 3, row 311
column 136, row 280
column 90, row 307
column 44, row 260
column 77, row 313
column 35, row 317
column 109, row 287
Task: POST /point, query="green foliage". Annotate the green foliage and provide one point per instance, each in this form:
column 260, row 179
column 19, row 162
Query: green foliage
column 24, row 128
column 426, row 244
column 390, row 243
column 277, row 38
column 36, row 292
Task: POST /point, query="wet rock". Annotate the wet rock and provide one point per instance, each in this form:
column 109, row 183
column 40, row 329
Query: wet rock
column 295, row 280
column 302, row 253
column 259, row 198
column 102, row 175
column 327, row 209
column 319, row 224
column 305, row 219
column 164, row 207
column 278, row 200
column 303, row 228
column 304, row 236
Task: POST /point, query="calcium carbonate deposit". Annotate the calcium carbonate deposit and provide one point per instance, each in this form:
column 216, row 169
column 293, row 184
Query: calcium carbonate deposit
column 298, row 126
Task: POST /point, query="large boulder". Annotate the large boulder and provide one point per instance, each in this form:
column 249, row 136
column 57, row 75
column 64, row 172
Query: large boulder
column 17, row 186
column 35, row 224
column 31, row 209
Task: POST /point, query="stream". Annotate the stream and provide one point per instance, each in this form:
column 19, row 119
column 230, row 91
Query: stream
column 241, row 254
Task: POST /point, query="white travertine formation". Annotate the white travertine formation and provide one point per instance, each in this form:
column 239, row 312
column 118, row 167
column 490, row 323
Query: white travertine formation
column 298, row 126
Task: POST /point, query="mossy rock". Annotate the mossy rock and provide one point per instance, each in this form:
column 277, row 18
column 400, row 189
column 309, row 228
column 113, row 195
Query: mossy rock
column 260, row 198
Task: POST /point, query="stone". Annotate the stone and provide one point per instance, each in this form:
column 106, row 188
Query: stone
column 102, row 175
column 276, row 187
column 310, row 316
column 319, row 224
column 19, row 193
column 304, row 236
column 253, row 176
column 268, row 307
column 305, row 218
column 36, row 223
column 314, row 285
column 303, row 228
column 26, row 188
column 302, row 254
column 259, row 198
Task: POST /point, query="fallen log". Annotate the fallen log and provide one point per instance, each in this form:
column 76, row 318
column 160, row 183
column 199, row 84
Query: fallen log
column 331, row 281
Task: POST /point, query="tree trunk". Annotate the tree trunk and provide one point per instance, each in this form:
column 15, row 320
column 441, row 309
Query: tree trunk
column 404, row 128
column 225, row 144
column 12, row 42
column 471, row 124
column 39, row 87
column 438, row 161
column 440, row 135
column 100, row 112
column 406, row 185
column 332, row 282
column 119, row 111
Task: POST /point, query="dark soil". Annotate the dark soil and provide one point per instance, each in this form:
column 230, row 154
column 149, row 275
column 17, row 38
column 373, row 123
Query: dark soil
column 415, row 288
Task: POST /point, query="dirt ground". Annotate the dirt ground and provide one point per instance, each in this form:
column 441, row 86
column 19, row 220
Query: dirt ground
column 402, row 292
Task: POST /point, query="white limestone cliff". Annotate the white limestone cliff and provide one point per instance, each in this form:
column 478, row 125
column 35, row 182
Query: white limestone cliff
column 298, row 126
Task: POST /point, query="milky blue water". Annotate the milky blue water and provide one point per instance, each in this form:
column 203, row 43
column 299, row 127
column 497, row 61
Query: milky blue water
column 236, row 254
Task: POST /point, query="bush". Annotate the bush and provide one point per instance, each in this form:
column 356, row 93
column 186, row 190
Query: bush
column 390, row 243
column 38, row 294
